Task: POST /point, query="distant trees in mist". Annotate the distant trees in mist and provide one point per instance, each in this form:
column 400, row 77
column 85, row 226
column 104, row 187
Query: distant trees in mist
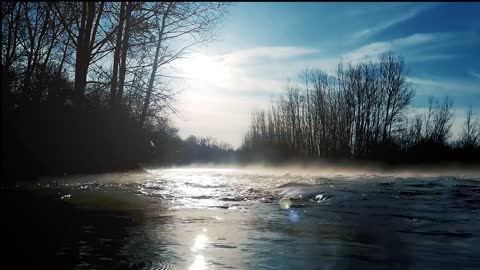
column 84, row 83
column 361, row 112
column 194, row 149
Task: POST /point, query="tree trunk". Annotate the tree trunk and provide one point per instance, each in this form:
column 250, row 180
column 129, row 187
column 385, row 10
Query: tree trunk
column 123, row 63
column 82, row 60
column 116, row 56
column 154, row 67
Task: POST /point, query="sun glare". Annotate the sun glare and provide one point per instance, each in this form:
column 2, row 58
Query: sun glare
column 204, row 68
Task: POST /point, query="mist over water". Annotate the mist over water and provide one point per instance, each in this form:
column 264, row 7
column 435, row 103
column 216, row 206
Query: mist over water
column 290, row 217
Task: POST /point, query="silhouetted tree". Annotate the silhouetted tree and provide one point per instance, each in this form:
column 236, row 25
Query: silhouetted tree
column 359, row 113
column 471, row 131
column 95, row 120
column 175, row 21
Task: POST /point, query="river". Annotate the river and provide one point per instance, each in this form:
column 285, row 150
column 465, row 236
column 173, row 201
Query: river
column 244, row 218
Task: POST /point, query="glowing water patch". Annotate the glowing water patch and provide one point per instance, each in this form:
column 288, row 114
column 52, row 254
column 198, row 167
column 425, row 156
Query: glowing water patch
column 285, row 203
column 293, row 216
column 199, row 263
column 200, row 242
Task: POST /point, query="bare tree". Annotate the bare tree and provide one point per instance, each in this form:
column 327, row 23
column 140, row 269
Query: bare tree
column 439, row 120
column 342, row 116
column 397, row 92
column 85, row 23
column 471, row 131
column 191, row 21
column 12, row 13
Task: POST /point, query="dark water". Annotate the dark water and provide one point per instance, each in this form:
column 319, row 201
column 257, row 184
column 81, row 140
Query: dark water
column 247, row 219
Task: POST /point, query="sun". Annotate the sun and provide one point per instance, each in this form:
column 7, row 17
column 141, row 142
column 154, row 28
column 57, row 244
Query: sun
column 200, row 67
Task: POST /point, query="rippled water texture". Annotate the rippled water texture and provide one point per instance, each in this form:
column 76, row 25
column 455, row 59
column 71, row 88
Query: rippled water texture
column 200, row 218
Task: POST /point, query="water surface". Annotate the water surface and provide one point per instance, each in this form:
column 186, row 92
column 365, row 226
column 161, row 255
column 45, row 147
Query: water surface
column 212, row 218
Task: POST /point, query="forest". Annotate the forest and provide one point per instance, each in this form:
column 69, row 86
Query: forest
column 85, row 86
column 361, row 112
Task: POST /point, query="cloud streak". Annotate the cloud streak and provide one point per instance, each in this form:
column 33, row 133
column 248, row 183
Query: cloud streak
column 435, row 86
column 474, row 74
column 266, row 53
column 413, row 41
column 390, row 23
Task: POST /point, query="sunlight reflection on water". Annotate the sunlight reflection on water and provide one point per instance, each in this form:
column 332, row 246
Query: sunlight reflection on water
column 200, row 242
column 287, row 221
column 199, row 263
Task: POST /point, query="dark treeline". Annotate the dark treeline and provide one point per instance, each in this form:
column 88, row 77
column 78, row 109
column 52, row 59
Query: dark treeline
column 193, row 149
column 84, row 87
column 360, row 113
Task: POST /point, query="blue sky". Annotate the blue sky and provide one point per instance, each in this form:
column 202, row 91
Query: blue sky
column 262, row 45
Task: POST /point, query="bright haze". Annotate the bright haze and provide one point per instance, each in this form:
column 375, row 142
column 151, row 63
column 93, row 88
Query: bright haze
column 262, row 47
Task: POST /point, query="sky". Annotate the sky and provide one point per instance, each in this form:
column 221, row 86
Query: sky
column 260, row 48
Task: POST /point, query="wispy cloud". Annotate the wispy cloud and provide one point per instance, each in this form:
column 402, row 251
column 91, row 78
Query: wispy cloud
column 252, row 72
column 266, row 69
column 400, row 44
column 265, row 53
column 474, row 74
column 370, row 50
column 435, row 86
column 365, row 9
column 433, row 57
column 416, row 39
column 387, row 24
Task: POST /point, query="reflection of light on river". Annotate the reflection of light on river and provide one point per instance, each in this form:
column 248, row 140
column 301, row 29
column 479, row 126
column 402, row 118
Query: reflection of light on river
column 294, row 216
column 285, row 203
column 199, row 263
column 199, row 243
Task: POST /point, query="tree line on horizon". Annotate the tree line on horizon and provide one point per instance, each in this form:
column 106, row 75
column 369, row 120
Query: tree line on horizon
column 85, row 86
column 191, row 150
column 362, row 112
